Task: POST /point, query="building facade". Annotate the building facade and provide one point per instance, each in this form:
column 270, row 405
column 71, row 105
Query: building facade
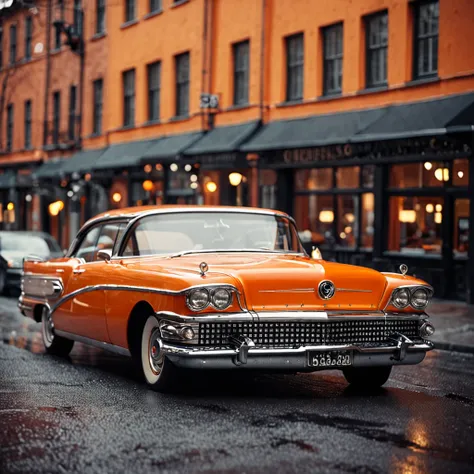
column 358, row 121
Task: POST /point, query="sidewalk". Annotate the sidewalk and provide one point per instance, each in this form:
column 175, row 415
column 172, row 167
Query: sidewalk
column 454, row 324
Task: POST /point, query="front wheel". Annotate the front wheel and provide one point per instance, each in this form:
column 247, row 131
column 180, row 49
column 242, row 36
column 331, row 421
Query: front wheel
column 367, row 377
column 160, row 374
column 53, row 344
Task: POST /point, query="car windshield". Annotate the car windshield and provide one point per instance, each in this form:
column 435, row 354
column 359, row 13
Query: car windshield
column 26, row 243
column 194, row 232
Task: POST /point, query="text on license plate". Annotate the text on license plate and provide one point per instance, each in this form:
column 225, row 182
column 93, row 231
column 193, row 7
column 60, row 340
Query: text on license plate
column 329, row 359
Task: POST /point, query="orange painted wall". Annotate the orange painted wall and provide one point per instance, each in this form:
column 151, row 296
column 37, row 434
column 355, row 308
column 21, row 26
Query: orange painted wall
column 180, row 28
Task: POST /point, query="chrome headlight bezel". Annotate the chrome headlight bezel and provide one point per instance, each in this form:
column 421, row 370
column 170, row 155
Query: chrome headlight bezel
column 189, row 301
column 397, row 294
column 412, row 298
column 410, row 291
column 213, row 293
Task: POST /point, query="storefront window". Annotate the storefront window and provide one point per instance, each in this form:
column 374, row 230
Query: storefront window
column 461, row 227
column 314, row 216
column 419, row 175
column 347, row 222
column 367, row 230
column 368, row 176
column 415, row 224
column 348, row 177
column 268, row 187
column 461, row 173
column 313, row 179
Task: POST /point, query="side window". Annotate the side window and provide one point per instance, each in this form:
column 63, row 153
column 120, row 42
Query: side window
column 107, row 237
column 86, row 248
column 121, row 231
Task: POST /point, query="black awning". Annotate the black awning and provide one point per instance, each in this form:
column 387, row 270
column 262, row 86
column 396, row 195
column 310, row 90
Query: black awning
column 312, row 131
column 124, row 155
column 169, row 147
column 51, row 169
column 416, row 119
column 7, row 180
column 223, row 139
column 82, row 161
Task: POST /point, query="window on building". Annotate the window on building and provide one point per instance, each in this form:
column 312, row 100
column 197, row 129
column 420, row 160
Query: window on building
column 56, row 116
column 376, row 29
column 154, row 84
column 426, row 39
column 57, row 37
column 10, row 123
column 28, row 36
column 27, row 124
column 241, row 73
column 77, row 17
column 333, row 54
column 415, row 224
column 461, row 172
column 128, row 79
column 130, row 13
column 294, row 67
column 72, row 113
column 97, row 107
column 334, row 207
column 419, row 175
column 13, row 44
column 155, row 6
column 461, row 228
column 182, row 84
column 99, row 16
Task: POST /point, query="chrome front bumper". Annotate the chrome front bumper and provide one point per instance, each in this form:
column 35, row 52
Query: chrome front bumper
column 245, row 355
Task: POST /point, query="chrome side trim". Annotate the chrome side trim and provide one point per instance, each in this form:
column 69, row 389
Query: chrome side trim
column 291, row 290
column 140, row 289
column 198, row 352
column 33, row 258
column 351, row 290
column 92, row 342
column 205, row 318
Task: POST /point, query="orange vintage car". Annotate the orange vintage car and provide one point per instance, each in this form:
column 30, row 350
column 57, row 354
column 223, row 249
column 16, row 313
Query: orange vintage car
column 223, row 288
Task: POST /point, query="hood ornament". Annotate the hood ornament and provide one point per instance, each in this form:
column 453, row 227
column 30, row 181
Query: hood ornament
column 203, row 268
column 326, row 289
column 403, row 269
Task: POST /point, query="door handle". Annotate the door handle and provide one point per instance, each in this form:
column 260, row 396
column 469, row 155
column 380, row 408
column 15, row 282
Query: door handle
column 79, row 270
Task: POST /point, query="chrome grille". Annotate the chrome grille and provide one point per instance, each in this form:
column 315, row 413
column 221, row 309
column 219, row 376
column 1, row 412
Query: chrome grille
column 296, row 334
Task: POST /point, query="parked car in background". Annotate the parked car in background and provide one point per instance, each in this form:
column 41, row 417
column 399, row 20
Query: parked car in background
column 223, row 288
column 14, row 246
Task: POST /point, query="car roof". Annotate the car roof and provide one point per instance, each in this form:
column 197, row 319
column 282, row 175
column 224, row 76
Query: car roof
column 131, row 212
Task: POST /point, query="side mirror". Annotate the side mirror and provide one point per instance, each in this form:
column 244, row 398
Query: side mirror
column 104, row 254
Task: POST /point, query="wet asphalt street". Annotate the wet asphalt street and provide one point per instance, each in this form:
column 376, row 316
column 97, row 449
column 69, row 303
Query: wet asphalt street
column 90, row 413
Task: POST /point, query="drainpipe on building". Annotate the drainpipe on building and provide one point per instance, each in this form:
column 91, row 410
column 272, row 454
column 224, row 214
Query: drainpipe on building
column 262, row 61
column 204, row 70
column 48, row 71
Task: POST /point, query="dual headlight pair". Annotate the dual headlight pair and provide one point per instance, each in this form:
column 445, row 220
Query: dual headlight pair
column 200, row 298
column 417, row 297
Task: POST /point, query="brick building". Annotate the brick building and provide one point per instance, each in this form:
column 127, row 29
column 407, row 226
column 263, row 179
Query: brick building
column 357, row 121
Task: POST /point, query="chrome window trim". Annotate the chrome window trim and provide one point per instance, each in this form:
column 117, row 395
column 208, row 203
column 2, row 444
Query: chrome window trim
column 134, row 220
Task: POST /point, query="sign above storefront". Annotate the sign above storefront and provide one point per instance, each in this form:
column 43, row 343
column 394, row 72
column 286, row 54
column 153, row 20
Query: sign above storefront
column 219, row 160
column 442, row 148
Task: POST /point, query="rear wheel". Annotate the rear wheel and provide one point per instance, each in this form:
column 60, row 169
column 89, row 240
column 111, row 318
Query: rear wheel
column 367, row 377
column 53, row 344
column 160, row 374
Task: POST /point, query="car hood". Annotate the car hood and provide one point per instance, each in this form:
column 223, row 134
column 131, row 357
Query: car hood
column 272, row 282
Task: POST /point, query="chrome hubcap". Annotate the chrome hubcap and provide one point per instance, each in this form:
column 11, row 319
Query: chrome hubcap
column 48, row 327
column 155, row 353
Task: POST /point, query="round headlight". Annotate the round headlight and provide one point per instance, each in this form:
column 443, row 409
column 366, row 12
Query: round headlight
column 401, row 298
column 420, row 298
column 198, row 299
column 221, row 298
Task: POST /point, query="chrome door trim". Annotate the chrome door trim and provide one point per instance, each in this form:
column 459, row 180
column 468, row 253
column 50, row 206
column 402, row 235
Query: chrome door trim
column 93, row 342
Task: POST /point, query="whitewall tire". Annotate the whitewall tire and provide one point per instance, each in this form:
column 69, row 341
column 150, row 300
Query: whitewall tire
column 53, row 344
column 160, row 374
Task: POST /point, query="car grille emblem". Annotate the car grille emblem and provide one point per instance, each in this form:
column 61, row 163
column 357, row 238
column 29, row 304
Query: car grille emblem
column 326, row 289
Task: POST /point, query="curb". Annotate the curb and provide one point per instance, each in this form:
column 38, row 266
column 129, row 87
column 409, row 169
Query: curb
column 453, row 347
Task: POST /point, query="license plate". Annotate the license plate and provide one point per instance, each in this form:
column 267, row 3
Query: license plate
column 329, row 359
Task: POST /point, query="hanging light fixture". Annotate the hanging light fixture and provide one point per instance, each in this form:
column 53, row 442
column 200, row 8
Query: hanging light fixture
column 116, row 197
column 211, row 186
column 147, row 185
column 235, row 178
column 326, row 216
